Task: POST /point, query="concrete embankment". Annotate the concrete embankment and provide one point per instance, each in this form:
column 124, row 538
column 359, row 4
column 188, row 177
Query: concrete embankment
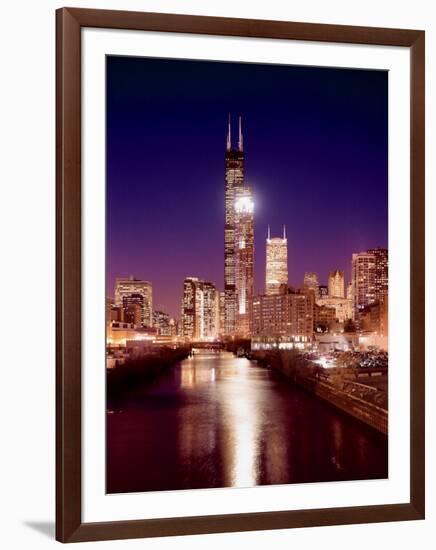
column 142, row 370
column 312, row 378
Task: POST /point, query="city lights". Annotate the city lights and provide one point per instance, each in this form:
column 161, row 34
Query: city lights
column 249, row 347
column 284, row 316
column 244, row 205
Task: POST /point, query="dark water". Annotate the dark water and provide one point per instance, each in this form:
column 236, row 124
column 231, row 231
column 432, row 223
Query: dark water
column 218, row 421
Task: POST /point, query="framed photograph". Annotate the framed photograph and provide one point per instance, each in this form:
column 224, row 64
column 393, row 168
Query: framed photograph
column 240, row 274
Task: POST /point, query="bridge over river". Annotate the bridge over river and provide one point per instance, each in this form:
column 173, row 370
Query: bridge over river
column 215, row 420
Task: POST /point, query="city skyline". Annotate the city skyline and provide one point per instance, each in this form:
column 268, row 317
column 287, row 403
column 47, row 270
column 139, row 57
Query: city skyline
column 240, row 200
column 135, row 246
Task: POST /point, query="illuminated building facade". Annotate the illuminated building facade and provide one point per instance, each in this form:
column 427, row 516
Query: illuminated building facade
column 374, row 318
column 350, row 291
column 288, row 314
column 336, row 284
column 132, row 313
column 199, row 310
column 324, row 317
column 381, row 272
column 120, row 334
column 131, row 287
column 222, row 310
column 161, row 322
column 113, row 312
column 217, row 313
column 244, row 259
column 238, row 241
column 190, row 308
column 133, row 305
column 173, row 327
column 363, row 279
column 208, row 314
column 311, row 282
column 343, row 307
column 276, row 279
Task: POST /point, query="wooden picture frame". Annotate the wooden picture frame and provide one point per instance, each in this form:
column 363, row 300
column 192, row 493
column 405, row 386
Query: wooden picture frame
column 69, row 525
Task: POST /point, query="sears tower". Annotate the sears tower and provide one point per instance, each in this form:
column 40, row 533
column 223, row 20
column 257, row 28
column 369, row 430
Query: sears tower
column 238, row 241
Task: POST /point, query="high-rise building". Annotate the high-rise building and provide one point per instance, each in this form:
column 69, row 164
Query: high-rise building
column 381, row 272
column 311, row 282
column 222, row 312
column 161, row 321
column 350, row 291
column 238, row 241
column 127, row 287
column 244, row 259
column 234, row 178
column 199, row 309
column 363, row 279
column 189, row 308
column 369, row 278
column 217, row 313
column 336, row 284
column 276, row 273
column 208, row 328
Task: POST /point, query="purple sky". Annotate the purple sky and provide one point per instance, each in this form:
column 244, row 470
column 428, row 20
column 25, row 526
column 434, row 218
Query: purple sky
column 315, row 143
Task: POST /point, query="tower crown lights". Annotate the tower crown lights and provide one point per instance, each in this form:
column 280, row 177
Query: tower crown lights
column 240, row 136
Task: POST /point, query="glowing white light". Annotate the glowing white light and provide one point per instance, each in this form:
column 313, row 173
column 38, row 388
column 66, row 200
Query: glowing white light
column 325, row 362
column 244, row 205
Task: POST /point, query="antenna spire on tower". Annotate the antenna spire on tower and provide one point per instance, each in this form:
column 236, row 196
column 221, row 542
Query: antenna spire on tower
column 284, row 232
column 269, row 232
column 229, row 136
column 240, row 142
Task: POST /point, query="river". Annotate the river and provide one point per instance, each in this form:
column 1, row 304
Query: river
column 215, row 420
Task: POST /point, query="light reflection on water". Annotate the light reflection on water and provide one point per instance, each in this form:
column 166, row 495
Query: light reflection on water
column 241, row 414
column 220, row 421
column 231, row 382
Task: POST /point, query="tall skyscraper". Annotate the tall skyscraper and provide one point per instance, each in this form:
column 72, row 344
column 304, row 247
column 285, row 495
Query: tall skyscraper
column 363, row 279
column 311, row 282
column 369, row 278
column 238, row 241
column 276, row 279
column 190, row 324
column 381, row 272
column 208, row 315
column 244, row 259
column 127, row 288
column 199, row 309
column 336, row 284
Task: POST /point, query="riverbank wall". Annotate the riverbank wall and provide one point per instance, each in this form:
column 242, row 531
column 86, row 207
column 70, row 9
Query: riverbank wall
column 311, row 378
column 142, row 370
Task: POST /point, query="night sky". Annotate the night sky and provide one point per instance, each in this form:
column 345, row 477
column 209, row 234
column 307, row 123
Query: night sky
column 316, row 155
